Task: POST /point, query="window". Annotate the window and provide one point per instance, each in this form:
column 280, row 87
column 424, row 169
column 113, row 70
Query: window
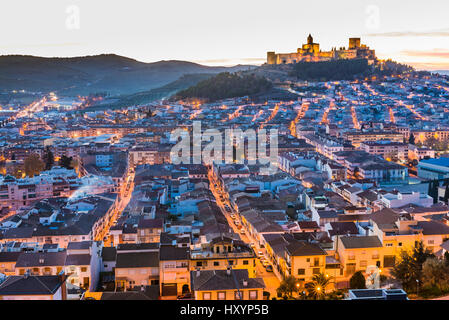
column 143, row 271
column 308, row 260
column 216, row 263
column 301, row 271
column 221, row 296
column 83, row 269
column 199, row 263
column 206, row 295
column 316, row 270
column 245, row 262
column 363, row 263
column 430, row 242
column 238, row 295
column 231, row 262
column 388, row 244
column 253, row 294
column 400, row 244
column 316, row 261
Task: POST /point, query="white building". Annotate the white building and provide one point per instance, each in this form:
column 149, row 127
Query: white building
column 396, row 200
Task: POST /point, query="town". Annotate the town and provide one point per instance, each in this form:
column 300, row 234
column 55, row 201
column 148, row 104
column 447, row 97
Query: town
column 93, row 207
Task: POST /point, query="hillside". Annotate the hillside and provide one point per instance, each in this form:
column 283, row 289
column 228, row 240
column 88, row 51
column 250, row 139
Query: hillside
column 331, row 70
column 165, row 91
column 102, row 73
column 226, row 85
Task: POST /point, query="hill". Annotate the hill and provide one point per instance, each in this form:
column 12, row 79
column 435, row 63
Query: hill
column 163, row 92
column 226, row 85
column 109, row 73
column 331, row 70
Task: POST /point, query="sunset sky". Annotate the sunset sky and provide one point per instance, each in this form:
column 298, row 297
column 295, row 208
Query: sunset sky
column 224, row 32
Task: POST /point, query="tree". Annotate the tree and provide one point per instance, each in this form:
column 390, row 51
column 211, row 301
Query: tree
column 446, row 258
column 357, row 281
column 287, row 287
column 435, row 273
column 33, row 165
column 433, row 190
column 411, row 139
column 48, row 158
column 317, row 288
column 409, row 267
column 446, row 194
column 66, row 162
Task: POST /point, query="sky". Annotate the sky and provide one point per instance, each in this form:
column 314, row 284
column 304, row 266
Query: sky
column 217, row 32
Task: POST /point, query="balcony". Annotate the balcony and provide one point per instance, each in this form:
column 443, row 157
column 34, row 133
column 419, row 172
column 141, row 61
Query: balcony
column 211, row 255
column 176, row 268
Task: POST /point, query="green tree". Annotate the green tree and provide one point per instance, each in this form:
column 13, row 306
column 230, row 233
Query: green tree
column 446, row 194
column 317, row 288
column 66, row 162
column 33, row 165
column 435, row 273
column 287, row 287
column 357, row 281
column 48, row 158
column 411, row 139
column 446, row 258
column 409, row 267
column 433, row 190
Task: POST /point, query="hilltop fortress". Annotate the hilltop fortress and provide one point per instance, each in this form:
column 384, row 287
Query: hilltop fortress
column 311, row 52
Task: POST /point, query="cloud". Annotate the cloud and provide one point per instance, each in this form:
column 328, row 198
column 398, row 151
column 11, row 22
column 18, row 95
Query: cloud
column 229, row 62
column 436, row 53
column 429, row 66
column 397, row 34
column 40, row 45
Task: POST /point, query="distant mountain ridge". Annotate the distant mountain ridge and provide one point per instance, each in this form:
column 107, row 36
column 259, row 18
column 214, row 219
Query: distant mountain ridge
column 109, row 73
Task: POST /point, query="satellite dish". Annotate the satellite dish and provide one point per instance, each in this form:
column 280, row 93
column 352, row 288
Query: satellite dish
column 373, row 277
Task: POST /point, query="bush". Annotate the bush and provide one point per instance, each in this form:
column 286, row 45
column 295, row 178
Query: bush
column 226, row 85
column 430, row 291
column 357, row 281
column 344, row 69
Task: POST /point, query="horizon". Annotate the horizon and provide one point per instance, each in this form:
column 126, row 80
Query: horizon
column 416, row 34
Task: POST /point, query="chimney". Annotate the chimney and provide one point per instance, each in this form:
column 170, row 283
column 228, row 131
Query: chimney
column 198, row 272
column 245, row 283
column 228, row 271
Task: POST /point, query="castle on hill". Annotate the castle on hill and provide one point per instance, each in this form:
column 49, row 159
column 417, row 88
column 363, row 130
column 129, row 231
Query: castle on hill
column 311, row 52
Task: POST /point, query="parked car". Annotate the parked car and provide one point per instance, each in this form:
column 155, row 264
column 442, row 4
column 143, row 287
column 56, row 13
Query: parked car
column 260, row 253
column 242, row 231
column 269, row 268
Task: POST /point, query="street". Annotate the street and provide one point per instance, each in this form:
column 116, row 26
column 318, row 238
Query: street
column 272, row 279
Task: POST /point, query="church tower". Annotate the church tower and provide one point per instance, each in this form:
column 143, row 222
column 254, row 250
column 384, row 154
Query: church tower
column 310, row 39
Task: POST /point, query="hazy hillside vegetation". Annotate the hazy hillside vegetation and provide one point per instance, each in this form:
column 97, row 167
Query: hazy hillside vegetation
column 226, row 85
column 109, row 73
